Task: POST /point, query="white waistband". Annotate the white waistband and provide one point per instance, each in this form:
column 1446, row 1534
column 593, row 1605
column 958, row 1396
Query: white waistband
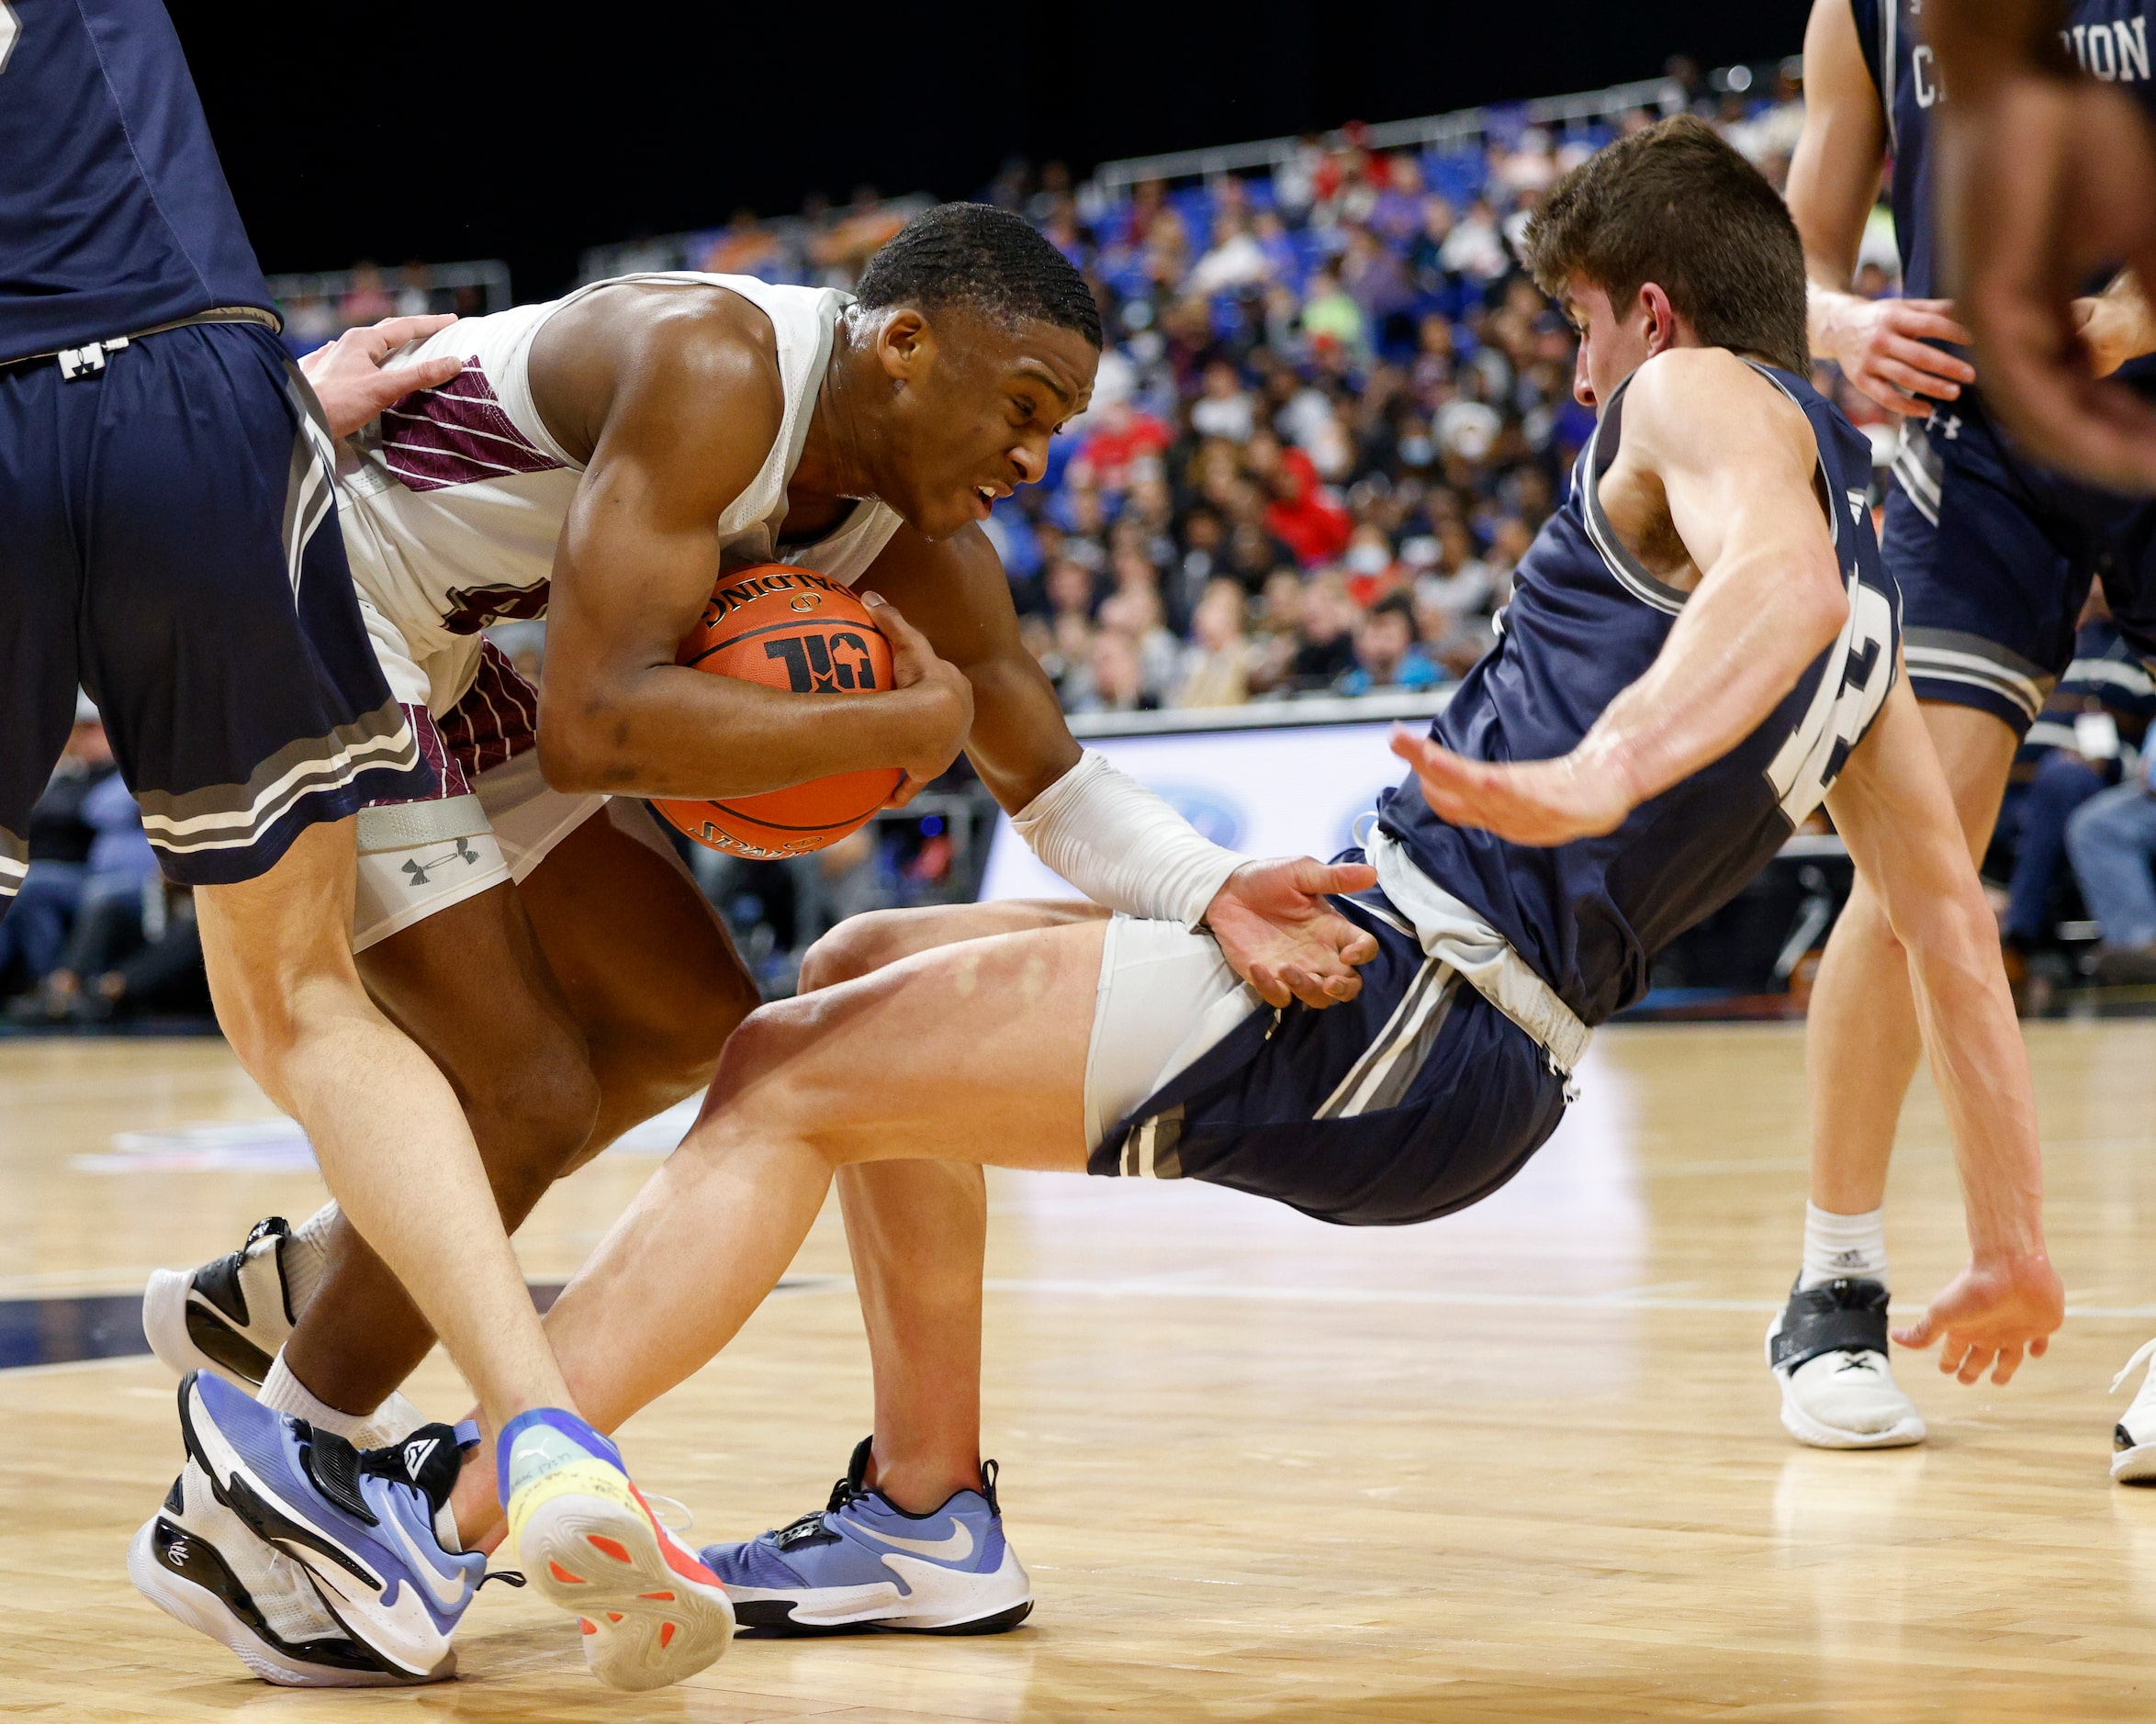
column 1455, row 934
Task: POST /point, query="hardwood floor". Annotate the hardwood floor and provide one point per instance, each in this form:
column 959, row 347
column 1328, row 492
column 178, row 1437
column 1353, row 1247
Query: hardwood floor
column 1522, row 1464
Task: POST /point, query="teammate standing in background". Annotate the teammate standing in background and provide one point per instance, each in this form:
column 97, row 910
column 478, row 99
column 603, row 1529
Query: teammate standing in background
column 170, row 544
column 2047, row 171
column 1993, row 556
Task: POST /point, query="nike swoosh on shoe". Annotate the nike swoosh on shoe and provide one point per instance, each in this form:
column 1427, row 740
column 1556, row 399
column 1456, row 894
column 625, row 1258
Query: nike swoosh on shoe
column 955, row 1549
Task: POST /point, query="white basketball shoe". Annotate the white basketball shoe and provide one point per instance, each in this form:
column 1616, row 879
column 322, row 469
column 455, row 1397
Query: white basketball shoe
column 229, row 1316
column 2133, row 1439
column 1828, row 1349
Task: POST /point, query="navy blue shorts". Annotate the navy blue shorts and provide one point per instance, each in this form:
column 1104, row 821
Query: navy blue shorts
column 170, row 543
column 1414, row 1099
column 1994, row 555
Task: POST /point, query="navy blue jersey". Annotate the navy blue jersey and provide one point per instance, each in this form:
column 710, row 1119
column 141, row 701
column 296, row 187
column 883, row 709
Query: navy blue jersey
column 1584, row 622
column 113, row 212
column 2109, row 38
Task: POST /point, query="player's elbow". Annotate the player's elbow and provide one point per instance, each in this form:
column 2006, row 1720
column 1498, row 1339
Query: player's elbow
column 574, row 756
column 1818, row 608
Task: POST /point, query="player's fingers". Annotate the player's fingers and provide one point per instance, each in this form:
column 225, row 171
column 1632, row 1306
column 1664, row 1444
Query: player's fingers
column 1269, row 986
column 2008, row 1364
column 911, row 788
column 1926, row 360
column 393, row 382
column 1323, row 879
column 1908, row 406
column 1360, row 947
column 1974, row 1363
column 1919, row 1334
column 907, row 643
column 1908, row 379
column 396, row 331
column 2040, row 1347
column 1936, row 326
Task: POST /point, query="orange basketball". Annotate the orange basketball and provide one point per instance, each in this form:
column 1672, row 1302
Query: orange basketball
column 792, row 629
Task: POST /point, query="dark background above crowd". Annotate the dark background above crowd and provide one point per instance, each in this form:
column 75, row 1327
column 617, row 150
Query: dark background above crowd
column 529, row 132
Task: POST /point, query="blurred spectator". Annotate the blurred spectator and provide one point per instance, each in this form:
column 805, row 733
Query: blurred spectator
column 2074, row 751
column 1386, row 655
column 119, row 872
column 1215, row 667
column 34, row 932
column 2112, row 839
column 1113, row 680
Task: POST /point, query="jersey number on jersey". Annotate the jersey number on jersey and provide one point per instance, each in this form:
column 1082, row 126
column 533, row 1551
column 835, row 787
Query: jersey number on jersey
column 1859, row 670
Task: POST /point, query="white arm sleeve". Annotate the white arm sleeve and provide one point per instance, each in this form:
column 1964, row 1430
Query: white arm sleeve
column 1122, row 846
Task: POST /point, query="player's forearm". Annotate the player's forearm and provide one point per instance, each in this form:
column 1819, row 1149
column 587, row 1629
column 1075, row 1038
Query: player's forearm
column 1979, row 1067
column 1746, row 635
column 1981, row 43
column 672, row 731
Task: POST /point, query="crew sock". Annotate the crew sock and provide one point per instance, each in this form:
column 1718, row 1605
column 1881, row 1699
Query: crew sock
column 1843, row 1247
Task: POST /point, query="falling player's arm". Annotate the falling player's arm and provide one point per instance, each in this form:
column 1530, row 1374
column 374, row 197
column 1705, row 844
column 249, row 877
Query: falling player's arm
column 1882, row 345
column 1892, row 806
column 1732, row 463
column 636, row 563
column 1105, row 833
column 2117, row 324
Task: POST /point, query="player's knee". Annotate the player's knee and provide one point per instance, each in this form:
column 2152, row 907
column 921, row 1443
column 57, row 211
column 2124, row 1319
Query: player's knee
column 854, row 949
column 532, row 1123
column 766, row 1039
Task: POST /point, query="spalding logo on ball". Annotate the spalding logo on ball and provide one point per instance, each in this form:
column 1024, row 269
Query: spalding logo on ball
column 791, row 628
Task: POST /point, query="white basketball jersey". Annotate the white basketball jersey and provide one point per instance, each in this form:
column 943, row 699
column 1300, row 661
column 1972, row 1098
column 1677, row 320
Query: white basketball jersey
column 451, row 502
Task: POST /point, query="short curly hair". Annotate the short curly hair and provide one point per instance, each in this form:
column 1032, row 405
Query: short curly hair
column 984, row 260
column 1677, row 206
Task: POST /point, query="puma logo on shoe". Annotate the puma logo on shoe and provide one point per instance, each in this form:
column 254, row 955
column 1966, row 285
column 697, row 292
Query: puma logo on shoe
column 955, row 1549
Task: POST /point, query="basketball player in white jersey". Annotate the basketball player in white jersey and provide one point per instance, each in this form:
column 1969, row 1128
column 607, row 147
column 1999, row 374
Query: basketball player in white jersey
column 601, row 460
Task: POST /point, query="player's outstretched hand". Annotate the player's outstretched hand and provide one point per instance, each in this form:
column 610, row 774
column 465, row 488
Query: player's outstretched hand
column 1883, row 346
column 938, row 713
column 1280, row 935
column 1531, row 801
column 1990, row 1314
column 353, row 384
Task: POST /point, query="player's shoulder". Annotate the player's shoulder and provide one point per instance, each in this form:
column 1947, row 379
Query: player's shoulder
column 706, row 341
column 1708, row 400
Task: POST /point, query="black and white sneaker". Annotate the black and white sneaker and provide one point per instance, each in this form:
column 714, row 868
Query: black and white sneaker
column 1827, row 1348
column 228, row 1316
column 203, row 1566
column 2133, row 1439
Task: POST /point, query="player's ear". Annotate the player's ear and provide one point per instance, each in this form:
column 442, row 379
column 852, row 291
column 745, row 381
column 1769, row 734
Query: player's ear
column 904, row 345
column 1662, row 321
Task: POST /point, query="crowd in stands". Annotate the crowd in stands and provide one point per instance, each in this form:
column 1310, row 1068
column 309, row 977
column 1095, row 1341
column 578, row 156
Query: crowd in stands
column 1332, row 414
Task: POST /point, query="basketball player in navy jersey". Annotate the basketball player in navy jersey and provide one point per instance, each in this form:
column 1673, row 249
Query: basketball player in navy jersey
column 1993, row 555
column 2049, row 170
column 170, row 543
column 1701, row 647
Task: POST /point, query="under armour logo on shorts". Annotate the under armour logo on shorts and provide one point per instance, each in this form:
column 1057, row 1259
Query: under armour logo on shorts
column 420, row 870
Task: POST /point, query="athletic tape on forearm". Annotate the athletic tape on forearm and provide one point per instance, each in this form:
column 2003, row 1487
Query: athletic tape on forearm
column 1122, row 846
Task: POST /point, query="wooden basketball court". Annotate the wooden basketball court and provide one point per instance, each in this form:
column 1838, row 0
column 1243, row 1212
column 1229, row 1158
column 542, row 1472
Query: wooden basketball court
column 1522, row 1463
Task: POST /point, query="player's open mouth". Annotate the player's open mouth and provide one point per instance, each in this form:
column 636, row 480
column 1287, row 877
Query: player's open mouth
column 985, row 497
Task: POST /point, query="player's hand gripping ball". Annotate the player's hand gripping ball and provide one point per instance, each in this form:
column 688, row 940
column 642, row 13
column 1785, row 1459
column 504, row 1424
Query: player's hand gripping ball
column 791, row 628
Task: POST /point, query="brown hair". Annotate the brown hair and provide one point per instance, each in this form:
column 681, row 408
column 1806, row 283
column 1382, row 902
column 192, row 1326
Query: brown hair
column 1676, row 206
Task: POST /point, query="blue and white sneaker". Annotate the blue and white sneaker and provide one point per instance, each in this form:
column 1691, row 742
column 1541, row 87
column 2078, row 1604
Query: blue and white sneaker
column 366, row 1525
column 200, row 1564
column 651, row 1613
column 862, row 1563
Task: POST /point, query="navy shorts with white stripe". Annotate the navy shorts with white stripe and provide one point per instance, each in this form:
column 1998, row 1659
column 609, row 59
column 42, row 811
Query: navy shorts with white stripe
column 1993, row 556
column 1414, row 1099
column 172, row 546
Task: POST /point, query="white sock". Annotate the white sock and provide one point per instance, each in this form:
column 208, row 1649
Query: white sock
column 286, row 1393
column 1843, row 1247
column 305, row 1254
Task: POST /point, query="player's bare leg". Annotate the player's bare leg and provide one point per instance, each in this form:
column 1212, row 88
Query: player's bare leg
column 996, row 1033
column 1861, row 1049
column 917, row 1233
column 393, row 1142
column 563, row 1011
